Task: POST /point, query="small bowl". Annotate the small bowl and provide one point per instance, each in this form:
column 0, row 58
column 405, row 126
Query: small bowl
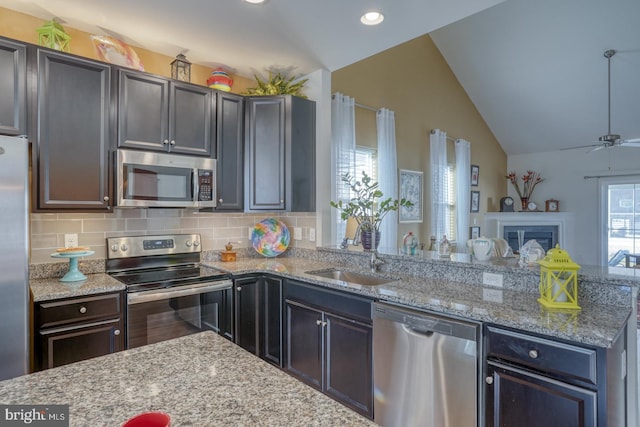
column 149, row 419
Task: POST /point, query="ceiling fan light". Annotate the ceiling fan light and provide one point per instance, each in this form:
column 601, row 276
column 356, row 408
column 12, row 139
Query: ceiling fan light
column 255, row 1
column 372, row 18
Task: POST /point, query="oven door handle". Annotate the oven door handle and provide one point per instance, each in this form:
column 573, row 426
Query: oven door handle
column 181, row 291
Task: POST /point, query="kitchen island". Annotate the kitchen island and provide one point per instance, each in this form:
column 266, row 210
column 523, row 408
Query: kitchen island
column 200, row 380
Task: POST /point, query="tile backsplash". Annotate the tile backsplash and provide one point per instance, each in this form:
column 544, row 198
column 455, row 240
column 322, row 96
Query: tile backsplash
column 216, row 229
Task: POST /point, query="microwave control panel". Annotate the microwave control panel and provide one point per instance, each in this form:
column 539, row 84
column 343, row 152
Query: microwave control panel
column 205, row 185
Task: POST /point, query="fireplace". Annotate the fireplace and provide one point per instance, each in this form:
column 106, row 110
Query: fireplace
column 545, row 235
column 548, row 228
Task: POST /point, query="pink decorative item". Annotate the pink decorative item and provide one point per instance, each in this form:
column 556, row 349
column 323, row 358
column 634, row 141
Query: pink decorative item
column 220, row 80
column 149, row 419
column 116, row 52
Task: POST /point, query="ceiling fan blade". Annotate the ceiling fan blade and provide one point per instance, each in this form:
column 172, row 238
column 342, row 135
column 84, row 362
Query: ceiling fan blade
column 631, row 143
column 632, row 140
column 598, row 146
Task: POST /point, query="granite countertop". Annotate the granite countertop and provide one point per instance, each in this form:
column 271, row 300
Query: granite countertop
column 595, row 324
column 200, row 380
column 53, row 288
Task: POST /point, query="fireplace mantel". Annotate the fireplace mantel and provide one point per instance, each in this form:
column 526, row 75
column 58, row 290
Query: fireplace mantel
column 494, row 223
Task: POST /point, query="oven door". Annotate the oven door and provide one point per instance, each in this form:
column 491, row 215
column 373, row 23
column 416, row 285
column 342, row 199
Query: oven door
column 159, row 315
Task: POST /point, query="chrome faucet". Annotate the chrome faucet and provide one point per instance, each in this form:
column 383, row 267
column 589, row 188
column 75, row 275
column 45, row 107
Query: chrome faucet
column 374, row 261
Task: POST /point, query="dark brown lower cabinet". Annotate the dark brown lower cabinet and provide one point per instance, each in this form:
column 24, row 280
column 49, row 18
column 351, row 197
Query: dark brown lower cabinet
column 259, row 316
column 75, row 329
column 518, row 398
column 332, row 353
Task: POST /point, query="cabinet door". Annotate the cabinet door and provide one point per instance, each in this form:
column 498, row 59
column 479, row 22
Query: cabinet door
column 191, row 119
column 143, row 111
column 67, row 345
column 305, row 343
column 271, row 321
column 230, row 143
column 247, row 303
column 265, row 151
column 72, row 129
column 349, row 372
column 217, row 312
column 13, row 71
column 517, row 398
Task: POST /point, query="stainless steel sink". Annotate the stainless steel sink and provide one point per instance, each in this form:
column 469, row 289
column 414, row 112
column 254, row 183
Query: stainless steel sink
column 352, row 277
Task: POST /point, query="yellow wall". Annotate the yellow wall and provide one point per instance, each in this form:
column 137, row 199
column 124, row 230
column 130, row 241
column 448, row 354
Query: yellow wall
column 414, row 81
column 23, row 27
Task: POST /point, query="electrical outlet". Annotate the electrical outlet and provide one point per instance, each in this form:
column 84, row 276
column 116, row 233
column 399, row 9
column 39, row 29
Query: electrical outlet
column 249, row 232
column 312, row 234
column 492, row 295
column 492, row 279
column 297, row 233
column 71, row 240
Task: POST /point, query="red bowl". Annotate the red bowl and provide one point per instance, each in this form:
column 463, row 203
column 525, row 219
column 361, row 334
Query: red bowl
column 149, row 419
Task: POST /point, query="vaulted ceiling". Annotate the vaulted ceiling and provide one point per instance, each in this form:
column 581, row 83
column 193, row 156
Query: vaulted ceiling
column 534, row 68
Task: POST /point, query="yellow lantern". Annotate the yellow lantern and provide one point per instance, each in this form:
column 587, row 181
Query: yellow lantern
column 53, row 35
column 558, row 280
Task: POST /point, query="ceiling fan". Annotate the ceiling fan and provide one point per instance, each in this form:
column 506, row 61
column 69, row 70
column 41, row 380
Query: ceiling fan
column 610, row 139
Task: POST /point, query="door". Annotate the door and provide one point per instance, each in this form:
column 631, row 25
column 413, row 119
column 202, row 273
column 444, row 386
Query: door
column 517, row 398
column 191, row 119
column 143, row 111
column 247, row 316
column 349, row 372
column 13, row 71
column 72, row 129
column 271, row 320
column 72, row 344
column 265, row 151
column 229, row 151
column 305, row 343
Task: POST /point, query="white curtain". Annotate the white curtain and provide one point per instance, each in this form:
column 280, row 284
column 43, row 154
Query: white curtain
column 387, row 174
column 463, row 179
column 343, row 149
column 438, row 168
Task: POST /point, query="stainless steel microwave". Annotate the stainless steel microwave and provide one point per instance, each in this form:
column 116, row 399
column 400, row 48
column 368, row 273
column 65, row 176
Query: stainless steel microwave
column 158, row 180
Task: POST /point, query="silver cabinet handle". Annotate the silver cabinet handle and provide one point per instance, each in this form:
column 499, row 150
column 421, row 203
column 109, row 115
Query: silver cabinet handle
column 105, row 198
column 324, row 324
column 318, row 322
column 220, row 200
column 165, row 142
column 116, row 332
column 83, row 309
column 489, row 380
column 172, row 142
column 238, row 289
column 533, row 354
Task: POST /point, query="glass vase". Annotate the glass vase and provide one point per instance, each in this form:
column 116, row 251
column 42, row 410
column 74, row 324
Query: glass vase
column 525, row 203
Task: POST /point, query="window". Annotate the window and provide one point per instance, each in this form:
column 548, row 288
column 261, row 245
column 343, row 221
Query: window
column 450, row 200
column 366, row 160
column 621, row 221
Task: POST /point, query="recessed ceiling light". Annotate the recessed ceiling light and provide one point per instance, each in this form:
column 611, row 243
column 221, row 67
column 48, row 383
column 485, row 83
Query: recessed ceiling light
column 372, row 18
column 255, row 1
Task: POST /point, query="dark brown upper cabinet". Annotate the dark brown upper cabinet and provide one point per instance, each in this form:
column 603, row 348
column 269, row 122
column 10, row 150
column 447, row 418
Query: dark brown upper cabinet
column 71, row 132
column 13, row 71
column 159, row 114
column 229, row 151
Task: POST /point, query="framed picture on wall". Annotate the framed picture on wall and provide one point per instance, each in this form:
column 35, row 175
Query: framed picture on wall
column 474, row 232
column 475, row 175
column 475, row 201
column 410, row 189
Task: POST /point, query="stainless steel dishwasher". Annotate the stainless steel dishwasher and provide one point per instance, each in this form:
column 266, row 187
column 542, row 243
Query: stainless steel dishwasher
column 425, row 369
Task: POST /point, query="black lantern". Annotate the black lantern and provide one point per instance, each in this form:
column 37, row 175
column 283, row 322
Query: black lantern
column 181, row 68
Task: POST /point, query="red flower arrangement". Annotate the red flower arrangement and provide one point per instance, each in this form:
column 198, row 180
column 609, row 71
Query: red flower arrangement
column 529, row 182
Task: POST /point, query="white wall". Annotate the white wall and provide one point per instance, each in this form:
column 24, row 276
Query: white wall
column 563, row 173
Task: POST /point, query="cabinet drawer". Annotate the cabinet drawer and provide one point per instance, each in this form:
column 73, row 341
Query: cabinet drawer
column 79, row 310
column 554, row 358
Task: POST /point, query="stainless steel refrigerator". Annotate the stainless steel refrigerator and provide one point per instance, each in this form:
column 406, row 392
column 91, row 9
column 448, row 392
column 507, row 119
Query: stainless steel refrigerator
column 14, row 257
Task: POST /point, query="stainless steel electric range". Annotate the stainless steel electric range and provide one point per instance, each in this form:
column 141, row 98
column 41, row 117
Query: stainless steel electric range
column 169, row 293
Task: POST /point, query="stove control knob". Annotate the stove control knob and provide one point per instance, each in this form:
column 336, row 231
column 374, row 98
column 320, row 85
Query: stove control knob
column 124, row 247
column 114, row 248
column 188, row 243
column 196, row 243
